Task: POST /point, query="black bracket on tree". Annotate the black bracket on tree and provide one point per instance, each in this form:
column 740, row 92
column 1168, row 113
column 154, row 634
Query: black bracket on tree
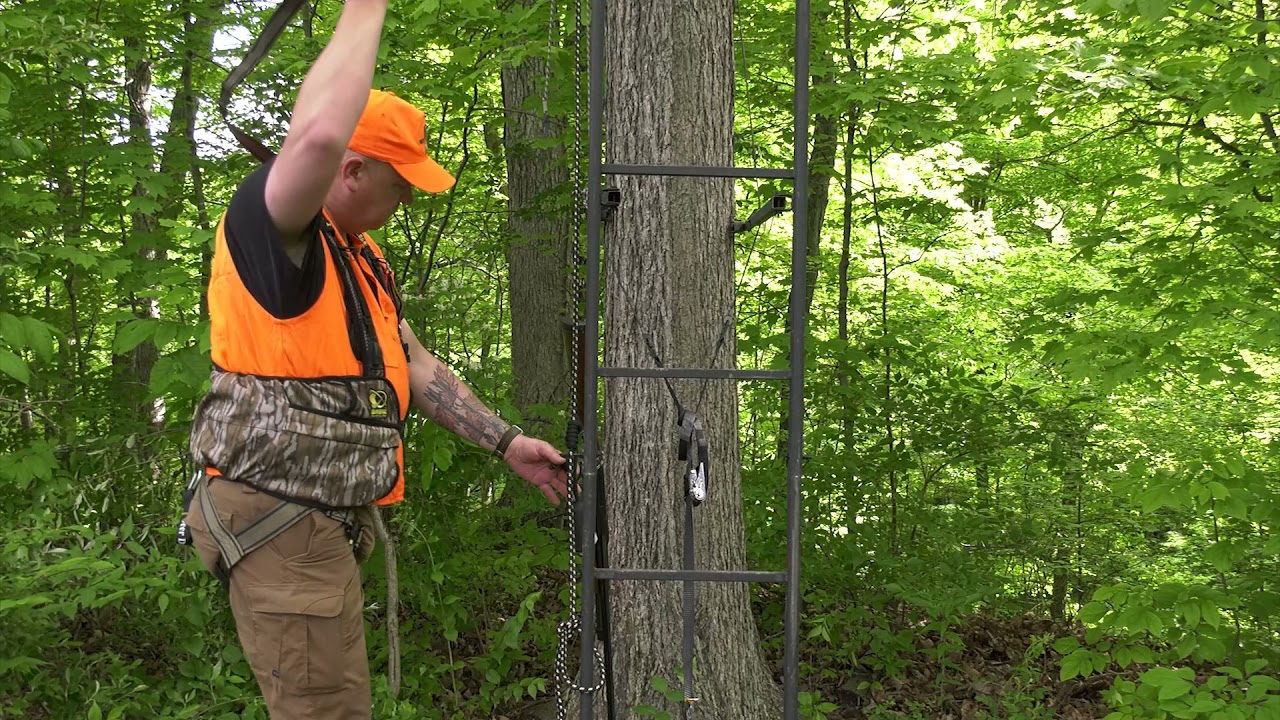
column 777, row 204
column 610, row 199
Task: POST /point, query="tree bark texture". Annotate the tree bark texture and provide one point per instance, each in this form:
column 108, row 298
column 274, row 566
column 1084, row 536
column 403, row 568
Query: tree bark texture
column 139, row 361
column 539, row 232
column 669, row 276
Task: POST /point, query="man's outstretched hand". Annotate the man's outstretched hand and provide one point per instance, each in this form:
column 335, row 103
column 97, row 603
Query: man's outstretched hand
column 540, row 464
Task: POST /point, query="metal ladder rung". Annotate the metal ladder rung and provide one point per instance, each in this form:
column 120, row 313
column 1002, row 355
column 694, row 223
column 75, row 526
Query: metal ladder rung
column 694, row 373
column 700, row 575
column 697, row 171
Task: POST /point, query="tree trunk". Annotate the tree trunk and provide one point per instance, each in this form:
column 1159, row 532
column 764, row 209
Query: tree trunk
column 539, row 232
column 1073, row 436
column 822, row 167
column 670, row 287
column 138, row 362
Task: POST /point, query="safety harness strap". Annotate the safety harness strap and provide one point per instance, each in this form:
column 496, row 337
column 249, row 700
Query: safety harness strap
column 233, row 547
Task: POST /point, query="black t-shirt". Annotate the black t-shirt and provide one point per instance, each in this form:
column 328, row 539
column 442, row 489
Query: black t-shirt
column 282, row 288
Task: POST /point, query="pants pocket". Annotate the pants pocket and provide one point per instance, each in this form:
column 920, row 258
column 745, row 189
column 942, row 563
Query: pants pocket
column 300, row 627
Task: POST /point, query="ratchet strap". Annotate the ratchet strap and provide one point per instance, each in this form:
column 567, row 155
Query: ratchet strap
column 261, row 46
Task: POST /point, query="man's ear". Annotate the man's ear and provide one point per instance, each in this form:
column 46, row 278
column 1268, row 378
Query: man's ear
column 352, row 169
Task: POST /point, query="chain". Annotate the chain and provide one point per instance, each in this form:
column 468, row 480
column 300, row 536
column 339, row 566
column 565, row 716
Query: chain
column 570, row 630
column 546, row 68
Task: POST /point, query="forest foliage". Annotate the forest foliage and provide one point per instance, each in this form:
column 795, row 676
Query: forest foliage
column 1043, row 370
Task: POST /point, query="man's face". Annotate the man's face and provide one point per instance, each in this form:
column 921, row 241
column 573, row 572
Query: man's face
column 379, row 192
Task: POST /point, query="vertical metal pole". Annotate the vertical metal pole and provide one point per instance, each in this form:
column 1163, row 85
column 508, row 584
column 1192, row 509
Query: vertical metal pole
column 590, row 424
column 795, row 424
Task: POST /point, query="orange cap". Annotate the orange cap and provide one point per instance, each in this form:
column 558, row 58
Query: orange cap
column 395, row 132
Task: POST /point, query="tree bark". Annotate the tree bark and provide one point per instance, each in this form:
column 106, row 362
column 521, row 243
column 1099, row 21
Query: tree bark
column 670, row 288
column 138, row 362
column 822, row 166
column 539, row 232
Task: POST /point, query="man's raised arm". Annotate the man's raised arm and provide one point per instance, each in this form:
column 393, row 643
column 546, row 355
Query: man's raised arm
column 329, row 105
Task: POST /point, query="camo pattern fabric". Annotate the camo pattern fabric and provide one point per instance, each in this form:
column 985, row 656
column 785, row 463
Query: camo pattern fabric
column 329, row 442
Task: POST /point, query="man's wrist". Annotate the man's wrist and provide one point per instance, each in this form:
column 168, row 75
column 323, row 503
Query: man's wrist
column 511, row 434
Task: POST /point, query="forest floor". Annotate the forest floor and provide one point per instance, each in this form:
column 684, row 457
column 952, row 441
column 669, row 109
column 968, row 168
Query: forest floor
column 984, row 667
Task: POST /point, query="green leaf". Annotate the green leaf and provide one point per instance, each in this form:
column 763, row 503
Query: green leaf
column 1152, row 622
column 442, row 456
column 1066, row 645
column 1211, row 649
column 134, row 333
column 1235, row 465
column 39, row 337
column 1254, row 665
column 1244, row 103
column 1231, row 672
column 1210, row 613
column 1266, row 682
column 13, row 332
column 1219, row 556
column 1190, row 610
column 1152, row 10
column 1078, row 663
column 1173, row 690
column 1186, row 645
column 14, row 366
column 1092, row 612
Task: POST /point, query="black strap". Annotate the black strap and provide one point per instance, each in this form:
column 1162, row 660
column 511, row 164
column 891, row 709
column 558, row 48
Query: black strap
column 275, row 25
column 360, row 330
column 382, row 272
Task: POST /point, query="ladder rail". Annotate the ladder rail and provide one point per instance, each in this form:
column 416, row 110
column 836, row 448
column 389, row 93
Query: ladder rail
column 795, row 418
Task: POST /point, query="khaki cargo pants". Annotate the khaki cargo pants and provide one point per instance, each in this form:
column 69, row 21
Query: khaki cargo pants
column 298, row 605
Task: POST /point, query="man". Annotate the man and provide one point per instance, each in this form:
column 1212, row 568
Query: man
column 314, row 374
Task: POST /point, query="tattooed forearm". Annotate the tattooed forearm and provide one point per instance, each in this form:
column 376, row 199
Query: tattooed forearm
column 448, row 402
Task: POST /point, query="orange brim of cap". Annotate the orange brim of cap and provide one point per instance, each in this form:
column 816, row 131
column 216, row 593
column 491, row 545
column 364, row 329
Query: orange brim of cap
column 427, row 175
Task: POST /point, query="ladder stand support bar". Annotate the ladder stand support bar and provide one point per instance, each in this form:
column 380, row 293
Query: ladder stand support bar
column 698, row 171
column 590, row 400
column 695, row 373
column 795, row 412
column 775, row 205
column 699, row 575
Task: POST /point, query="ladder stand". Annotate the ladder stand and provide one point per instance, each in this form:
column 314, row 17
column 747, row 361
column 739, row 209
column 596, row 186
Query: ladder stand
column 798, row 174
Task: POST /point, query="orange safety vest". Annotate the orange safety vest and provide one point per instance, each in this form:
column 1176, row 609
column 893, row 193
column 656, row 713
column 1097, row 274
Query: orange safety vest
column 247, row 340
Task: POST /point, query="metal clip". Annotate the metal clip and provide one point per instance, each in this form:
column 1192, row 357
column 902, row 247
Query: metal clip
column 698, row 483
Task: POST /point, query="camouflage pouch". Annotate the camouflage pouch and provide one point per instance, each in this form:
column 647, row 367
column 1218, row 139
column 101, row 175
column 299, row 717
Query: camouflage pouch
column 328, row 442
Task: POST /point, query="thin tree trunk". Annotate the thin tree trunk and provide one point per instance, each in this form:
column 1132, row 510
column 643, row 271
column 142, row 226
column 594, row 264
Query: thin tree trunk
column 670, row 287
column 890, row 439
column 1073, row 439
column 853, row 488
column 139, row 361
column 822, row 167
column 539, row 232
